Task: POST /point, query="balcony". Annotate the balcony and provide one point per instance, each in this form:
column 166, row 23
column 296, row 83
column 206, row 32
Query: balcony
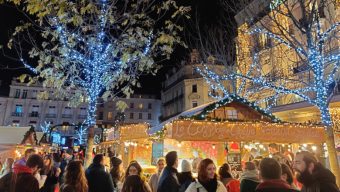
column 51, row 115
column 81, row 116
column 33, row 114
column 17, row 114
column 68, row 116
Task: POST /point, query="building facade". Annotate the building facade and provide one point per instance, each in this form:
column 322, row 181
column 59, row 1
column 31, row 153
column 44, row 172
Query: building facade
column 185, row 88
column 278, row 61
column 30, row 105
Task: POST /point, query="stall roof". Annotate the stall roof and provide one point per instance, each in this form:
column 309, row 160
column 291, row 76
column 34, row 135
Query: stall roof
column 187, row 113
column 14, row 135
column 202, row 110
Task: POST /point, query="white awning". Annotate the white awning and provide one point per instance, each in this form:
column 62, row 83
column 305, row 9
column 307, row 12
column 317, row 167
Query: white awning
column 14, row 135
column 187, row 113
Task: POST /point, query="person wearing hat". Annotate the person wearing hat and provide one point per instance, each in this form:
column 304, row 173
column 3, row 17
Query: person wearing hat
column 117, row 172
column 185, row 178
column 153, row 182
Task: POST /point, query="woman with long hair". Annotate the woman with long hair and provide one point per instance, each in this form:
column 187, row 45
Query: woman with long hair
column 135, row 169
column 134, row 183
column 117, row 173
column 52, row 175
column 74, row 178
column 287, row 175
column 232, row 185
column 207, row 179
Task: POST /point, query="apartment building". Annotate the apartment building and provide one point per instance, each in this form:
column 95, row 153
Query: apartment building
column 184, row 88
column 278, row 60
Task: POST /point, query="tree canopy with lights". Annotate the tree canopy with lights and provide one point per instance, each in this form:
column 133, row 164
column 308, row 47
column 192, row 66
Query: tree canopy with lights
column 93, row 49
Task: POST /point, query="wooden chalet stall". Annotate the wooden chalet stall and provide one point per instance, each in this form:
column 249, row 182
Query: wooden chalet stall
column 226, row 131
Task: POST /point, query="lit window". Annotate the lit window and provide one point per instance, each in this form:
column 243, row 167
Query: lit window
column 140, row 106
column 232, row 114
column 109, row 116
column 18, row 108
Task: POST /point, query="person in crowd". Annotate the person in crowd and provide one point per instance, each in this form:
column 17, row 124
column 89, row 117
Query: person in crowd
column 270, row 173
column 56, row 160
column 168, row 181
column 153, row 182
column 67, row 157
column 28, row 153
column 74, row 178
column 249, row 178
column 207, row 179
column 52, row 175
column 312, row 174
column 135, row 169
column 98, row 179
column 232, row 185
column 7, row 167
column 22, row 178
column 274, row 151
column 257, row 163
column 185, row 178
column 287, row 175
column 195, row 164
column 134, row 183
column 117, row 173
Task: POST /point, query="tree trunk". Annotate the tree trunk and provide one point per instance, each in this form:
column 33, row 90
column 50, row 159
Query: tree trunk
column 91, row 122
column 332, row 154
column 89, row 148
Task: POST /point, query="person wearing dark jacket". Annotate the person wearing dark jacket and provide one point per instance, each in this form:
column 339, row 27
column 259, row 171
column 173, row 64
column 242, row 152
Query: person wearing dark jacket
column 168, row 181
column 22, row 179
column 312, row 174
column 98, row 179
column 52, row 175
column 185, row 178
column 270, row 172
column 249, row 178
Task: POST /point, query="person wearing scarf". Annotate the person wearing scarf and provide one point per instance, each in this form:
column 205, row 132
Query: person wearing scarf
column 207, row 179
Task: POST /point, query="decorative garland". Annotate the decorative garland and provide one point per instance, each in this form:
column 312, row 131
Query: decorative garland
column 231, row 98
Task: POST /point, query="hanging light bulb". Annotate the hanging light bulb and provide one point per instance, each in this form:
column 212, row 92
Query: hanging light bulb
column 213, row 146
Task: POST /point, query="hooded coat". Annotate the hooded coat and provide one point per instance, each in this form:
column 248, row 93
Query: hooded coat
column 98, row 179
column 249, row 181
column 21, row 178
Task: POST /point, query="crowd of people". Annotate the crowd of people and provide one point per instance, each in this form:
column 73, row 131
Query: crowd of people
column 62, row 172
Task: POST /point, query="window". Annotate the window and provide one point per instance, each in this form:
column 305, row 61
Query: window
column 24, row 94
column 140, row 116
column 67, row 110
column 149, row 116
column 51, row 109
column 17, row 93
column 140, row 106
column 194, row 88
column 131, row 115
column 34, row 94
column 100, row 115
column 150, row 106
column 232, row 114
column 82, row 111
column 132, row 105
column 109, row 116
column 35, row 108
column 15, row 123
column 194, row 104
column 18, row 109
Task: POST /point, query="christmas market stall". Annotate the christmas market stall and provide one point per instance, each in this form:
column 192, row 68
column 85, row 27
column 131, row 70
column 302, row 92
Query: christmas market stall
column 231, row 130
column 129, row 142
column 15, row 140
